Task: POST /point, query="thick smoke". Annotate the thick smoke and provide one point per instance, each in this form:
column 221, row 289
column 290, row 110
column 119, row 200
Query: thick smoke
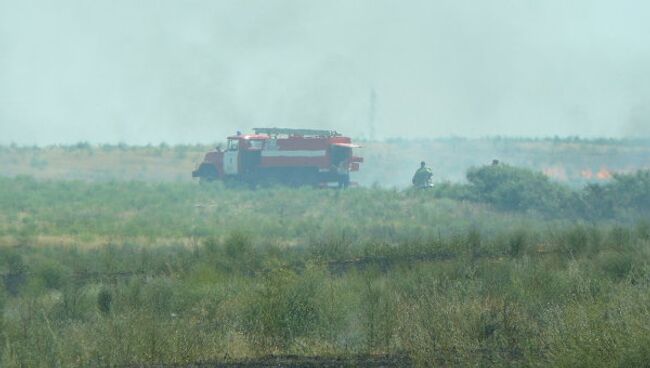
column 194, row 71
column 638, row 124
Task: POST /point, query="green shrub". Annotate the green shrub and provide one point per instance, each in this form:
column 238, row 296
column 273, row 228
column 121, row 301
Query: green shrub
column 104, row 300
column 51, row 274
column 642, row 230
column 238, row 246
column 12, row 261
column 575, row 241
column 620, row 238
column 518, row 243
column 517, row 189
column 616, row 264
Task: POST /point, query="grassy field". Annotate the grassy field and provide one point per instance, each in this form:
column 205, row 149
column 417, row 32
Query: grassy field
column 169, row 273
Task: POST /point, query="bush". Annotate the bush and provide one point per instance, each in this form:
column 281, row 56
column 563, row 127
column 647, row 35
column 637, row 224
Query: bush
column 575, row 241
column 516, row 189
column 617, row 265
column 626, row 196
column 510, row 188
column 518, row 243
column 52, row 275
column 104, row 300
column 234, row 255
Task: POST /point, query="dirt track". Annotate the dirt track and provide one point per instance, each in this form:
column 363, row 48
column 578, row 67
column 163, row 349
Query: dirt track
column 366, row 361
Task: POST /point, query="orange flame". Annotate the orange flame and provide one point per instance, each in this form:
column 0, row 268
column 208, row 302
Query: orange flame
column 604, row 174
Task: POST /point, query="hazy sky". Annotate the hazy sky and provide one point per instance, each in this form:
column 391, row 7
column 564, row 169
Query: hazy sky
column 193, row 71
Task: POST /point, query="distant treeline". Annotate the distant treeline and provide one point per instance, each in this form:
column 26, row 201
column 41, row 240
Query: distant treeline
column 85, row 145
column 555, row 139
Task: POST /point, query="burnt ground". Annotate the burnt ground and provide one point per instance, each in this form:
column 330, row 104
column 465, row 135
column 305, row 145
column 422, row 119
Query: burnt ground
column 290, row 361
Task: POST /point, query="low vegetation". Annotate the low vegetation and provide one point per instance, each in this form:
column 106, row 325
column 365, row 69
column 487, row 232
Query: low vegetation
column 624, row 198
column 576, row 296
column 508, row 269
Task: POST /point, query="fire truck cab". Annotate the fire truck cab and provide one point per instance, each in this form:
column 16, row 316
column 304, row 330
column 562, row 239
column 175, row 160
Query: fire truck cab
column 292, row 157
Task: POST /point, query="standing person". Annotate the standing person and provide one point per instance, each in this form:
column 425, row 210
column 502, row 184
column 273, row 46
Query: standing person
column 422, row 177
column 343, row 173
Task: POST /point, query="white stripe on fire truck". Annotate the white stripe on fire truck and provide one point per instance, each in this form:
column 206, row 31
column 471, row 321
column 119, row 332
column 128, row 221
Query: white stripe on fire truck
column 303, row 153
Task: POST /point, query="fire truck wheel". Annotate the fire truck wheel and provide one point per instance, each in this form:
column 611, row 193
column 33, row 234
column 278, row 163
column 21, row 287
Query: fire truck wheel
column 344, row 181
column 207, row 173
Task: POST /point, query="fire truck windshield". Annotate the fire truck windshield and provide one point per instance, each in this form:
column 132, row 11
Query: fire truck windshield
column 255, row 144
column 233, row 144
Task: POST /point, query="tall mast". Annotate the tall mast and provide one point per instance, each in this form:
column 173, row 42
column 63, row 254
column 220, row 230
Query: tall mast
column 372, row 112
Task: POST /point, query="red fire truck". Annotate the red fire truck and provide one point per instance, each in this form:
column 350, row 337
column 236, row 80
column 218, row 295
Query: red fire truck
column 292, row 157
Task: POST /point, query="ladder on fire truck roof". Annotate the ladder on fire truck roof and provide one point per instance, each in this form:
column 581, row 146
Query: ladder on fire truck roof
column 301, row 132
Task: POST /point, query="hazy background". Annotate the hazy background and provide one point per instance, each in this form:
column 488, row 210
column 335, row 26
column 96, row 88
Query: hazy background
column 193, row 71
